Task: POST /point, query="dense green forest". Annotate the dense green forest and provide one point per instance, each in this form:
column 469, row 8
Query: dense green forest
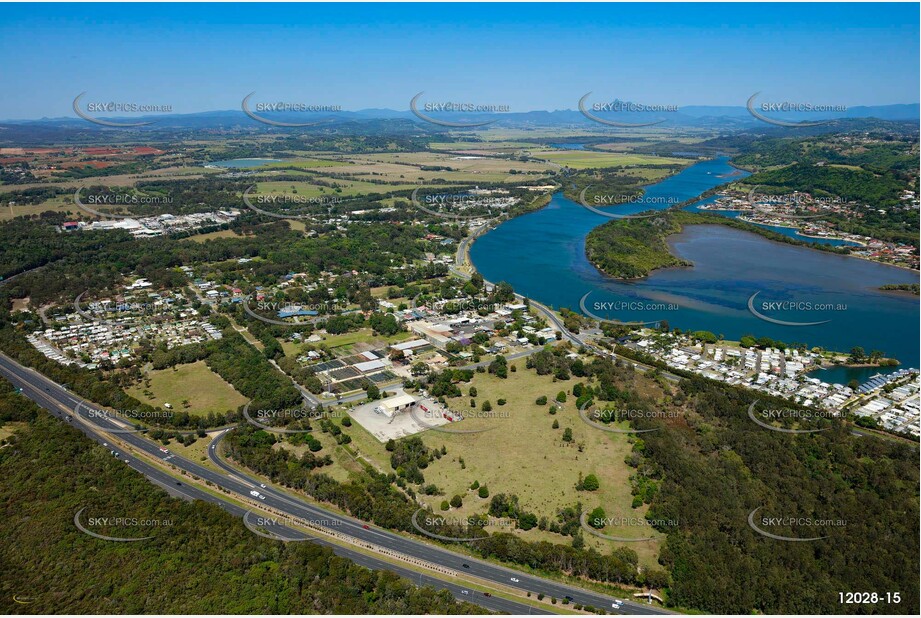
column 879, row 190
column 870, row 170
column 203, row 562
column 879, row 155
column 719, row 466
column 632, row 248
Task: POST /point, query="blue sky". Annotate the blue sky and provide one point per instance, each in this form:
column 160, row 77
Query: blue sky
column 542, row 56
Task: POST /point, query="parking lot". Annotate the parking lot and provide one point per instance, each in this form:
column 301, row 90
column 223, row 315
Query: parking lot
column 401, row 425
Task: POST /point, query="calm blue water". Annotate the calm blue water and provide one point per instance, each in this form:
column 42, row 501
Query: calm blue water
column 542, row 255
column 569, row 146
column 243, row 163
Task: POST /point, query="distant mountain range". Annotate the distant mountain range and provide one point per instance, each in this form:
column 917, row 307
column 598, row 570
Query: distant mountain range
column 703, row 116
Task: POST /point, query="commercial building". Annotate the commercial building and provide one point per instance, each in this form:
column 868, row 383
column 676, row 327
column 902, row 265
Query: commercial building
column 392, row 405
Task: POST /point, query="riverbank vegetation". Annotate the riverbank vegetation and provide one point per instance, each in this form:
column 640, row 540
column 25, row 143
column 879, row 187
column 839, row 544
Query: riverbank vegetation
column 633, row 248
column 912, row 288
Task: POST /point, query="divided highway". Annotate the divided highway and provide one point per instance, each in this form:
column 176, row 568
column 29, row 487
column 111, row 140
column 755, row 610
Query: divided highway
column 64, row 404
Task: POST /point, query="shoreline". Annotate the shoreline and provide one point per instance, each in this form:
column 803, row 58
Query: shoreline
column 714, row 218
column 742, row 217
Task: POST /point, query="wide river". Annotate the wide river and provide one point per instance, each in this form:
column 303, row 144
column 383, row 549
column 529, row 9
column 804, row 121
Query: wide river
column 542, row 255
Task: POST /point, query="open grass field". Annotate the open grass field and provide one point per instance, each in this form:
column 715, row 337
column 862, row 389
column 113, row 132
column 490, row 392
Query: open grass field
column 294, row 224
column 195, row 382
column 348, row 188
column 524, row 455
column 197, row 451
column 121, row 180
column 211, row 235
column 505, row 146
column 583, row 159
column 291, row 348
column 395, row 166
column 342, row 344
column 8, row 429
column 306, row 163
column 61, row 204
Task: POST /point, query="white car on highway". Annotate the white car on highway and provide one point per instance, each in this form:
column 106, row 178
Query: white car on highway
column 515, row 579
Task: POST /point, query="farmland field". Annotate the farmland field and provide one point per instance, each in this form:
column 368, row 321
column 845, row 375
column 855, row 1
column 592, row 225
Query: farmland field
column 583, row 159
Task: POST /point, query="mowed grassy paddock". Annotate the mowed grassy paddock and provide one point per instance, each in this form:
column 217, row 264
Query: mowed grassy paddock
column 524, row 455
column 205, row 390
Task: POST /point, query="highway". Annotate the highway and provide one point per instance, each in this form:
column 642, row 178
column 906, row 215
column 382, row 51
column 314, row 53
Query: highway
column 63, row 404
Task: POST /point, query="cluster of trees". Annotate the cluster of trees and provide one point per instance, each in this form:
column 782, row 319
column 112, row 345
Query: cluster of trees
column 503, row 505
column 589, row 483
column 27, row 243
column 445, row 383
column 410, row 456
column 859, row 355
column 384, row 323
column 619, row 566
column 232, row 358
column 328, row 426
column 256, row 444
column 305, row 376
column 13, row 407
column 498, row 367
column 552, row 360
